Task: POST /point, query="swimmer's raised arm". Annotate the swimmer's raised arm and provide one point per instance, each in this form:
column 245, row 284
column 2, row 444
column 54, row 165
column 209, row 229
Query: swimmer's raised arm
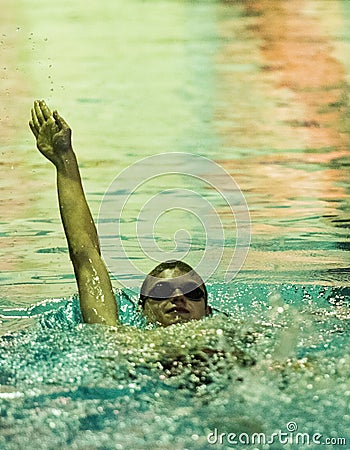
column 53, row 138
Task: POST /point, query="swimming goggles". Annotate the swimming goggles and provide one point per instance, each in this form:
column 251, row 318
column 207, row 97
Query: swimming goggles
column 163, row 290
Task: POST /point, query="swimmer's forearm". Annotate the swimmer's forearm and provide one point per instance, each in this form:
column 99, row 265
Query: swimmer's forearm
column 76, row 216
column 97, row 299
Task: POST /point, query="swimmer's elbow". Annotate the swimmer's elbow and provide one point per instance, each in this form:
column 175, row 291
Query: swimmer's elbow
column 91, row 316
column 97, row 301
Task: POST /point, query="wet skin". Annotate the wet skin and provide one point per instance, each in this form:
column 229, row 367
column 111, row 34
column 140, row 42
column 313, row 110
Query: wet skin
column 178, row 308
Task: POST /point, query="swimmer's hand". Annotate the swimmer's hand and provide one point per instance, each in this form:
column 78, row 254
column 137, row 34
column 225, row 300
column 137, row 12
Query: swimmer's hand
column 52, row 133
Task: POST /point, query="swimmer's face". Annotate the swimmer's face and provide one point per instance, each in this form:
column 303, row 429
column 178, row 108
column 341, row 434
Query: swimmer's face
column 177, row 297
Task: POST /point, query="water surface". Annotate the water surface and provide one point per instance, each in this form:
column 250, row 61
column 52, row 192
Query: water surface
column 262, row 88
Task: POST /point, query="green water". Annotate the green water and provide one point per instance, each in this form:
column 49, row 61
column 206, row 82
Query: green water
column 277, row 362
column 137, row 78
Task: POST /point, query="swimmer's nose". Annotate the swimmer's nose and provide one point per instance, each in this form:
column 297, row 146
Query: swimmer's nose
column 178, row 295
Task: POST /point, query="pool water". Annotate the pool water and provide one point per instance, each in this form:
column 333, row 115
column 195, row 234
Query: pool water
column 278, row 359
column 260, row 87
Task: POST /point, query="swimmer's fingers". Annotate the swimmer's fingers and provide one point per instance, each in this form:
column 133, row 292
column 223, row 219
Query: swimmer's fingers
column 38, row 116
column 34, row 130
column 35, row 121
column 45, row 110
column 38, row 112
column 60, row 122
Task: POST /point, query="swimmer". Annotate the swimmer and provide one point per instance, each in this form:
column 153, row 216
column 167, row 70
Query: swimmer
column 171, row 293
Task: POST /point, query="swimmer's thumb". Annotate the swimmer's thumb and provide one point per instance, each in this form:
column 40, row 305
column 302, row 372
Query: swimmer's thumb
column 60, row 121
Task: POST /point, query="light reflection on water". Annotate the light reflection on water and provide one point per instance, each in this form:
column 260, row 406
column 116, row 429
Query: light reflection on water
column 232, row 82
